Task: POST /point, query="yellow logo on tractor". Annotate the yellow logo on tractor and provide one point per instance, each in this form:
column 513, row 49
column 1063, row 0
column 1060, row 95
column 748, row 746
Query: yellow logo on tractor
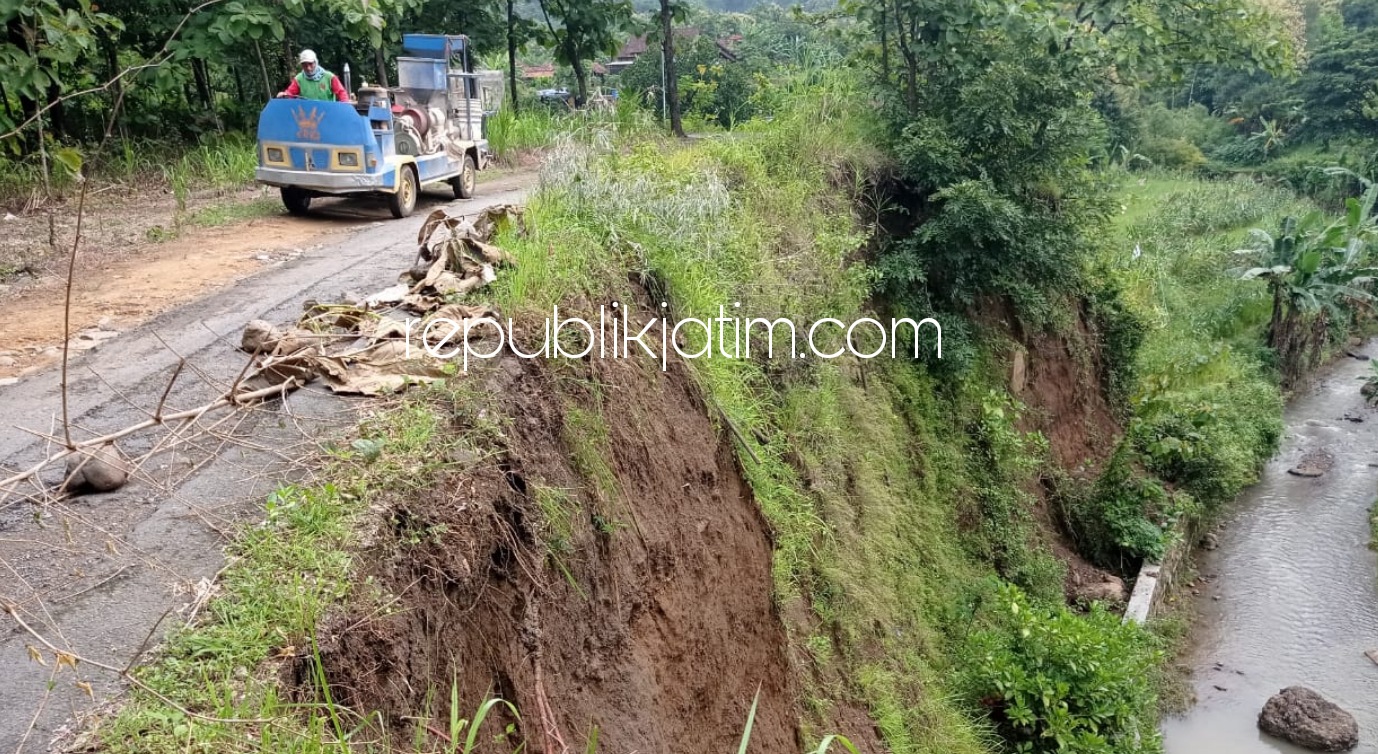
column 308, row 123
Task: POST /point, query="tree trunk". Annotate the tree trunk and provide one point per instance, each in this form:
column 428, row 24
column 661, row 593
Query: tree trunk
column 512, row 53
column 671, row 77
column 582, row 77
column 263, row 66
column 238, row 84
column 381, row 61
column 198, row 74
column 884, row 46
column 112, row 65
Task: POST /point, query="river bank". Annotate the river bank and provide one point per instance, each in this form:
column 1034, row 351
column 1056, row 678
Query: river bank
column 1289, row 595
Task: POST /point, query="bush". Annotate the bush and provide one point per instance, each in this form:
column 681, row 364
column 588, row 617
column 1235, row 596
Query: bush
column 1239, row 151
column 1124, row 518
column 1212, row 440
column 1173, row 154
column 1054, row 681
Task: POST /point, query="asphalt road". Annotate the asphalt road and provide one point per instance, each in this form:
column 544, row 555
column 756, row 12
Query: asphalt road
column 96, row 574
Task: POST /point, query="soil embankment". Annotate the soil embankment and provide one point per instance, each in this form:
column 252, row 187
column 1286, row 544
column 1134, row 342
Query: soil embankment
column 661, row 629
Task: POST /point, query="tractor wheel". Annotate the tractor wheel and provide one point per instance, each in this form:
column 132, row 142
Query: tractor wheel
column 296, row 200
column 404, row 200
column 464, row 182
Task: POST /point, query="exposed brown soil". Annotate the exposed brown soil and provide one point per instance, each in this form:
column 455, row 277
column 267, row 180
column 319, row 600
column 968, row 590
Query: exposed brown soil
column 1064, row 391
column 120, row 290
column 671, row 629
column 1060, row 378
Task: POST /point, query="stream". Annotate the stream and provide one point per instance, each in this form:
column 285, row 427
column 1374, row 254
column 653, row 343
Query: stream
column 1290, row 595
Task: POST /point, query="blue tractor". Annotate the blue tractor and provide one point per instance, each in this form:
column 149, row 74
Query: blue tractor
column 389, row 142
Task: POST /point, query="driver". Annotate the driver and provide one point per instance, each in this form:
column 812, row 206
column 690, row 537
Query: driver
column 314, row 82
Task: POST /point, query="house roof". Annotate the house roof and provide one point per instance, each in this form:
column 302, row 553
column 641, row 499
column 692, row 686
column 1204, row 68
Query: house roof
column 637, row 45
column 543, row 71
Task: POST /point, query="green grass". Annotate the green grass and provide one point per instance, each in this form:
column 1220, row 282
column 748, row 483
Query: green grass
column 229, row 213
column 1203, row 370
column 284, row 575
column 219, row 162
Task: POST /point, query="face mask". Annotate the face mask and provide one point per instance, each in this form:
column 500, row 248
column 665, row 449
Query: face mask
column 315, row 73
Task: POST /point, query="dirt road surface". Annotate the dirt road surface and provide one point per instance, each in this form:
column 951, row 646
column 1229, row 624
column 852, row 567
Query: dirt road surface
column 96, row 574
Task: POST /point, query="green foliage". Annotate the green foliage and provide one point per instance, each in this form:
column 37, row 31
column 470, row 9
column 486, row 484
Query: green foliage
column 1318, row 273
column 1210, row 441
column 580, row 30
column 1125, row 517
column 1055, row 681
column 1006, row 209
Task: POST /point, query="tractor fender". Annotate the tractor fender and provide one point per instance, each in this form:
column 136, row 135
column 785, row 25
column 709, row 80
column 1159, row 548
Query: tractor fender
column 402, row 162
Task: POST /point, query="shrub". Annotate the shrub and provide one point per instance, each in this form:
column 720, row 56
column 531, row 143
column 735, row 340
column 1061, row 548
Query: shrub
column 1239, row 151
column 1174, row 154
column 1125, row 517
column 1209, row 440
column 1051, row 680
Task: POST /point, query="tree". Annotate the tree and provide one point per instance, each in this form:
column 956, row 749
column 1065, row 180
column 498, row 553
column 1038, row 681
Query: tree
column 991, row 106
column 1138, row 39
column 39, row 54
column 668, row 11
column 585, row 29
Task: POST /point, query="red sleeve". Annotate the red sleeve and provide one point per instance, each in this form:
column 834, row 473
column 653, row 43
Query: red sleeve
column 293, row 89
column 335, row 86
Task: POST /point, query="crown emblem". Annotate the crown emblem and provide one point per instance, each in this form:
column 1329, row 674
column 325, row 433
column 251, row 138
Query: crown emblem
column 308, row 123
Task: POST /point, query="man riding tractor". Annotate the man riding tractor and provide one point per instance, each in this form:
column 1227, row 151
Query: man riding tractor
column 314, row 82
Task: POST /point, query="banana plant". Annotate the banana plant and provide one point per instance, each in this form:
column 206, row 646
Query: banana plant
column 1317, row 271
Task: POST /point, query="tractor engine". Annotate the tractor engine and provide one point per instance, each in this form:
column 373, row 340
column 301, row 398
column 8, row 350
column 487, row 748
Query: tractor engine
column 419, row 130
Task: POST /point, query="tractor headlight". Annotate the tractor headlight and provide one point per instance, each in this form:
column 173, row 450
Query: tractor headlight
column 349, row 160
column 275, row 154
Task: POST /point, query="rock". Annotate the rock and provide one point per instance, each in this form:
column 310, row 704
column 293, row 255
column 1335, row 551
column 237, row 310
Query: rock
column 1111, row 589
column 1357, row 355
column 1303, row 717
column 7, row 381
column 6, row 361
column 1313, row 464
column 1210, row 541
column 96, row 470
column 1018, row 373
column 1355, row 342
column 260, row 336
column 1372, row 655
column 106, row 323
column 1369, row 389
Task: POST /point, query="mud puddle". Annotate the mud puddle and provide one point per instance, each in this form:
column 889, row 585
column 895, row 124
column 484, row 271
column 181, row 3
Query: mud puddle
column 1291, row 596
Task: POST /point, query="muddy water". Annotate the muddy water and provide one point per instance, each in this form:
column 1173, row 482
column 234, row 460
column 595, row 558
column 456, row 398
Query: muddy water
column 1292, row 596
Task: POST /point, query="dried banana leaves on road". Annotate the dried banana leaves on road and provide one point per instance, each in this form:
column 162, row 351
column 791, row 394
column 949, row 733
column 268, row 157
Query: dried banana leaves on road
column 379, row 344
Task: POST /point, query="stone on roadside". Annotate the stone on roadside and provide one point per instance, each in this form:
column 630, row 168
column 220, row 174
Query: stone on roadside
column 96, row 470
column 260, row 336
column 1305, row 718
column 1210, row 541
